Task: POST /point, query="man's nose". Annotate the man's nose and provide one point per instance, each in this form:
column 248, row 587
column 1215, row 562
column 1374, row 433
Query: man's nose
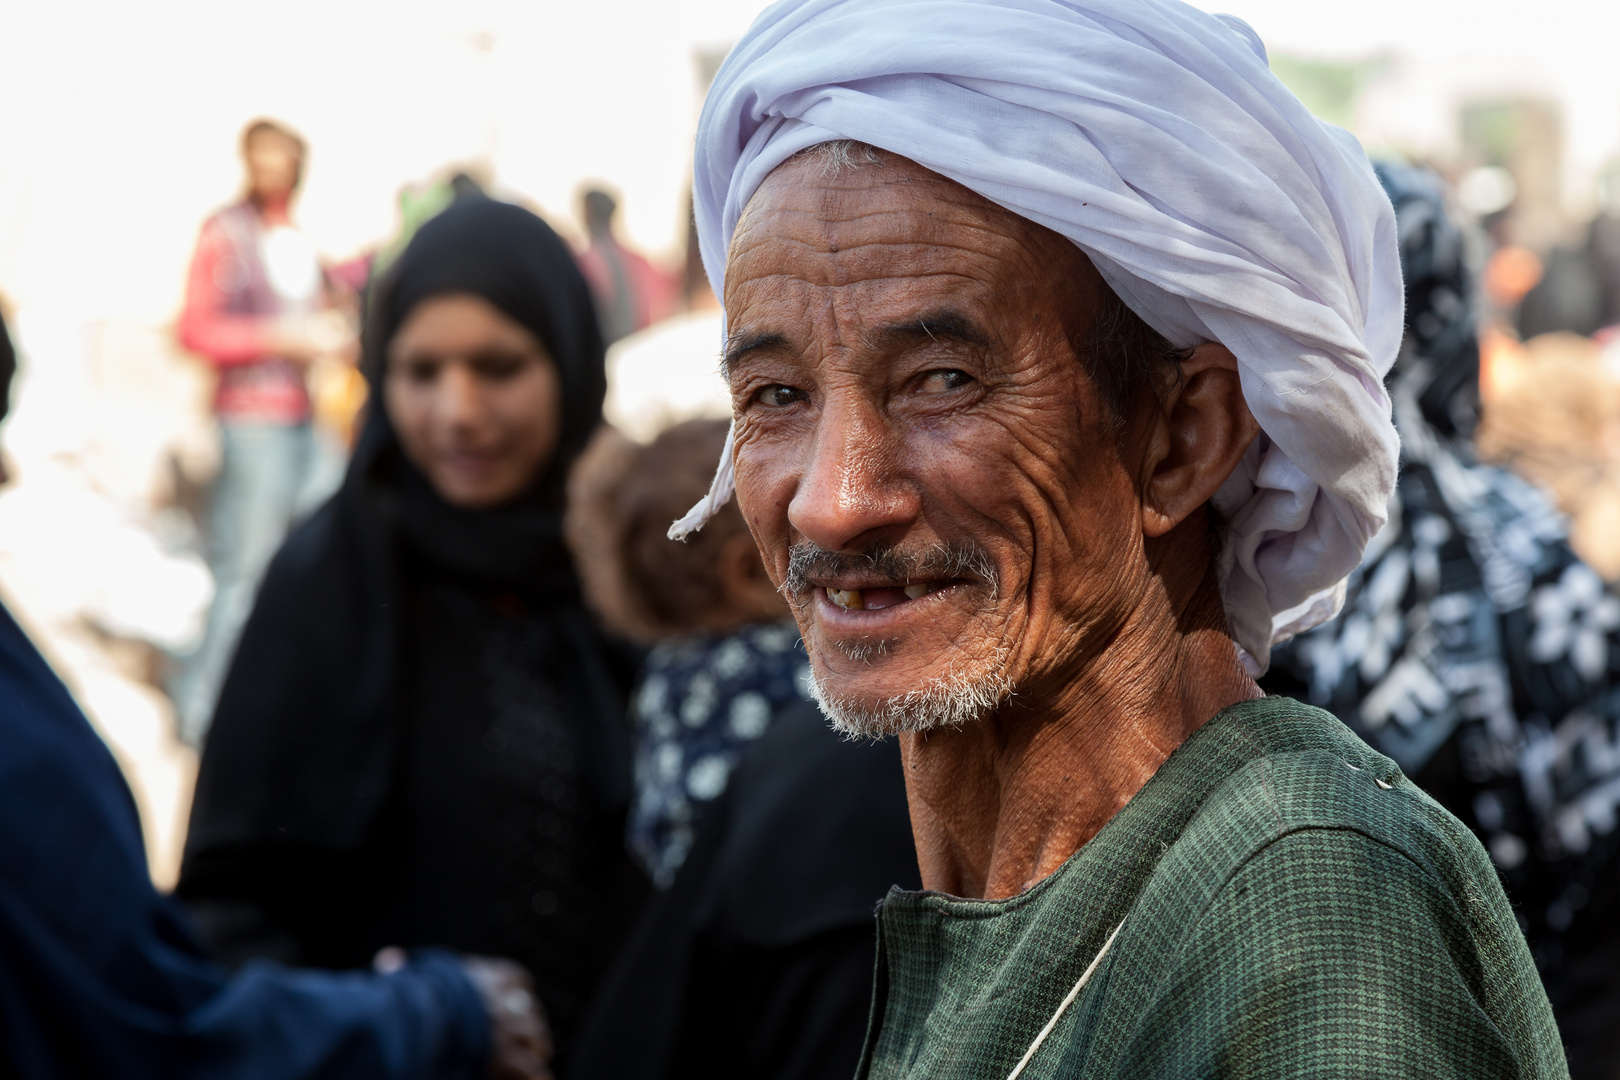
column 852, row 489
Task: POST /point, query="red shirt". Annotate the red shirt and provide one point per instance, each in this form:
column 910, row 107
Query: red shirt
column 228, row 309
column 653, row 293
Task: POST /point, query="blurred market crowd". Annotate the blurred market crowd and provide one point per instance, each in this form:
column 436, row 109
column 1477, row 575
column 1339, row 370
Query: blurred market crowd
column 156, row 474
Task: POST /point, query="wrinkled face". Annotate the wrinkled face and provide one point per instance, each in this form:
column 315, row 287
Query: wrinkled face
column 475, row 398
column 273, row 164
column 928, row 471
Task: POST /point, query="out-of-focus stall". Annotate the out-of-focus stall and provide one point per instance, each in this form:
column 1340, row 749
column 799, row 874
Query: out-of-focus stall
column 1551, row 411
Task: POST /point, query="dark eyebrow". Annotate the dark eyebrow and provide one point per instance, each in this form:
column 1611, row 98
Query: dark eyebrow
column 740, row 344
column 936, row 326
column 944, row 325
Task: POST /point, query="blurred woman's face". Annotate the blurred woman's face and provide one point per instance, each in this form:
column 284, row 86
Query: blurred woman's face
column 476, row 400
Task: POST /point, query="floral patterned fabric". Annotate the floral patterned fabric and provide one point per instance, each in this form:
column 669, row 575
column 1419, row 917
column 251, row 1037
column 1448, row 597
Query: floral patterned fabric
column 700, row 702
column 1475, row 646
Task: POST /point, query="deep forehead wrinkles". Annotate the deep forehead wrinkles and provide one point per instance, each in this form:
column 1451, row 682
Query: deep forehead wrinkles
column 871, row 224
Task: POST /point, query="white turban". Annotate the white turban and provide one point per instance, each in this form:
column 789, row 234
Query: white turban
column 1156, row 138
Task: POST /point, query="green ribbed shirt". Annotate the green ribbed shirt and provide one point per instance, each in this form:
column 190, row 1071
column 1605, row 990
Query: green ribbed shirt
column 1287, row 905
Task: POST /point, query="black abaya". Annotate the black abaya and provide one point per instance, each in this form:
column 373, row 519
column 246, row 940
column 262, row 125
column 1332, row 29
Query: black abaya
column 757, row 963
column 421, row 740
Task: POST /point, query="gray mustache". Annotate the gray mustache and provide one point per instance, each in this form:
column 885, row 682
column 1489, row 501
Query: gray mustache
column 957, row 559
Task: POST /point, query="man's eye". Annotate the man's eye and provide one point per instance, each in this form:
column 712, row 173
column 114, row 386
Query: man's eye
column 937, row 382
column 778, row 396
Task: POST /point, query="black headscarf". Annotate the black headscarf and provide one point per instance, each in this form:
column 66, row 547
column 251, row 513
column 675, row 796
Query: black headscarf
column 507, row 256
column 8, row 367
column 1441, row 319
column 302, row 742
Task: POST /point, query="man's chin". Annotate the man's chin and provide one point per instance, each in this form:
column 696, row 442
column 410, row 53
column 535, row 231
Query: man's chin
column 861, row 707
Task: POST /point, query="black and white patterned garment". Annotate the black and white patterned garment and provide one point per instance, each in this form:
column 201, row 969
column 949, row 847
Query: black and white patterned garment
column 701, row 701
column 1481, row 654
column 1472, row 624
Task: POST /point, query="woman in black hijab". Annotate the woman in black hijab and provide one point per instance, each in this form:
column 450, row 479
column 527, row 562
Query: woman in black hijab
column 421, row 739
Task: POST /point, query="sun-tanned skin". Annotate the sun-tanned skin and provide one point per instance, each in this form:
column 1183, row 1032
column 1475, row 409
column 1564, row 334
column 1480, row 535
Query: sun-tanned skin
column 902, row 371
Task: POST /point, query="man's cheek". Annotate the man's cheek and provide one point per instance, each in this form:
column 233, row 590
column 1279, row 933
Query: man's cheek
column 978, row 485
column 765, row 484
column 766, row 517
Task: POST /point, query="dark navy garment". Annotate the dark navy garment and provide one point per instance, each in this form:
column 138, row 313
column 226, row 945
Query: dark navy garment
column 99, row 975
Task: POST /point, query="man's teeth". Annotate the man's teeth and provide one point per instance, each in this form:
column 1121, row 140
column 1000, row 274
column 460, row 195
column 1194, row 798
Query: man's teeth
column 851, row 599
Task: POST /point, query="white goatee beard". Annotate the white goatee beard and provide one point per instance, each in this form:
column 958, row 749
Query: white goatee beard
column 952, row 700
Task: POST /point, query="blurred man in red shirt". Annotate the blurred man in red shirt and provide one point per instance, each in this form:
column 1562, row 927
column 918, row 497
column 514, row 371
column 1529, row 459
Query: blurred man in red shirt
column 631, row 293
column 256, row 308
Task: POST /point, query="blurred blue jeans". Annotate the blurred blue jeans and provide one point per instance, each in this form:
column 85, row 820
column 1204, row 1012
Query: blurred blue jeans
column 263, row 484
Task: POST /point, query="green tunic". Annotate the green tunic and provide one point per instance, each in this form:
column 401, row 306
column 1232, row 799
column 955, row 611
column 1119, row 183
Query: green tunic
column 1288, row 905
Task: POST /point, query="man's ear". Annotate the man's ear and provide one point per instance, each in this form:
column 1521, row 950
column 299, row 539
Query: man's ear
column 1202, row 426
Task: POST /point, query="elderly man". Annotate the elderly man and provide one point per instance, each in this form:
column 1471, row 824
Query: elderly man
column 1056, row 333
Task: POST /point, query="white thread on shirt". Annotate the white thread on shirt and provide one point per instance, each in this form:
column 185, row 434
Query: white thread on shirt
column 1085, row 977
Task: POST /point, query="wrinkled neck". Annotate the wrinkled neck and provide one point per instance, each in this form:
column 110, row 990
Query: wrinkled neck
column 999, row 805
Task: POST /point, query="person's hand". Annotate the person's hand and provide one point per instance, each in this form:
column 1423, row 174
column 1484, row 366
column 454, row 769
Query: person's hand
column 288, row 339
column 518, row 1029
column 333, row 334
column 303, row 338
column 520, row 1037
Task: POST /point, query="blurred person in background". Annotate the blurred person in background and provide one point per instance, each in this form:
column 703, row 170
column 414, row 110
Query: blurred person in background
column 631, row 293
column 774, row 836
column 725, row 656
column 256, row 308
column 8, row 369
column 1579, row 289
column 422, row 737
column 1480, row 653
column 420, row 204
column 417, row 204
column 670, row 371
column 102, row 976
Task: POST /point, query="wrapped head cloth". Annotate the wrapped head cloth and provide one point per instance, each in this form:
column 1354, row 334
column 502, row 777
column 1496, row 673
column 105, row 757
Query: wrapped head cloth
column 1156, row 138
